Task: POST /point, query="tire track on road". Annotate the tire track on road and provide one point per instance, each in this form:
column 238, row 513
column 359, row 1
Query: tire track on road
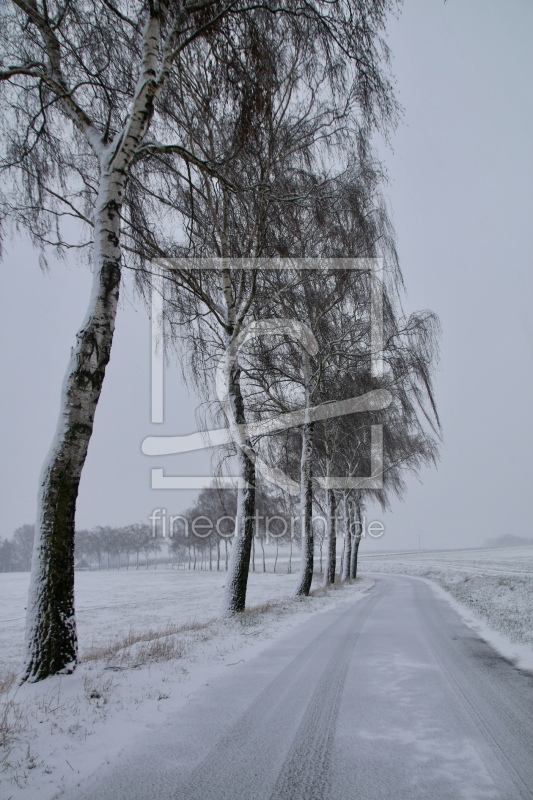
column 252, row 756
column 305, row 773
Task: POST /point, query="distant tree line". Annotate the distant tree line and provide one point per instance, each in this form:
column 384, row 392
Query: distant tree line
column 102, row 547
column 189, row 545
column 139, row 544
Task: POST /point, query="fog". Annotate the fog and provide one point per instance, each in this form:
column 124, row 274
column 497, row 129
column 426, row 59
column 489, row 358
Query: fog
column 461, row 169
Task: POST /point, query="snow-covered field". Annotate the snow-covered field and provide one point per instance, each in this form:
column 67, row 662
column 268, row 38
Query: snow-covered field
column 111, row 605
column 493, row 589
column 148, row 641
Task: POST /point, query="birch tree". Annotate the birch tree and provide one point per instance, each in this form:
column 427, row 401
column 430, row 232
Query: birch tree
column 348, row 220
column 410, row 425
column 82, row 85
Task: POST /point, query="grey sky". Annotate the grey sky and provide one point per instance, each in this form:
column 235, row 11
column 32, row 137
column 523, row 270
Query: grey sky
column 461, row 174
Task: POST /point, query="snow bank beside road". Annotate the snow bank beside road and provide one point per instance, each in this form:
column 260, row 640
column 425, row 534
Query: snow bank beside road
column 491, row 589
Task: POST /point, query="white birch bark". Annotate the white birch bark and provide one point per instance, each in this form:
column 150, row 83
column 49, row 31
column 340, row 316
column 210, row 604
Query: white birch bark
column 306, row 512
column 51, row 640
column 236, row 585
column 346, row 572
column 230, row 390
column 357, row 530
column 306, row 494
column 331, row 552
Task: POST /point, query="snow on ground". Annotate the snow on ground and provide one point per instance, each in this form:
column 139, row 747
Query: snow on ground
column 113, row 603
column 492, row 589
column 148, row 640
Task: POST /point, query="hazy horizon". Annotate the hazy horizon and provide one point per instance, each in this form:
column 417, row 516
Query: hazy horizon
column 460, row 170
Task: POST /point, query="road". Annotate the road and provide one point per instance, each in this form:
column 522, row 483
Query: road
column 386, row 698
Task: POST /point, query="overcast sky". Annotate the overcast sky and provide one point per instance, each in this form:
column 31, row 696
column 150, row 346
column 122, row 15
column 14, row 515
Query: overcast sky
column 461, row 172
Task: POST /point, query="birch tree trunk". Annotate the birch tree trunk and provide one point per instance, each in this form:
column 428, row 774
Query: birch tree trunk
column 306, row 512
column 306, row 492
column 51, row 641
column 355, row 555
column 239, row 567
column 346, row 572
column 329, row 574
column 357, row 527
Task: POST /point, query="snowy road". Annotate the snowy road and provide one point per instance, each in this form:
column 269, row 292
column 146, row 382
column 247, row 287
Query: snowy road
column 391, row 697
